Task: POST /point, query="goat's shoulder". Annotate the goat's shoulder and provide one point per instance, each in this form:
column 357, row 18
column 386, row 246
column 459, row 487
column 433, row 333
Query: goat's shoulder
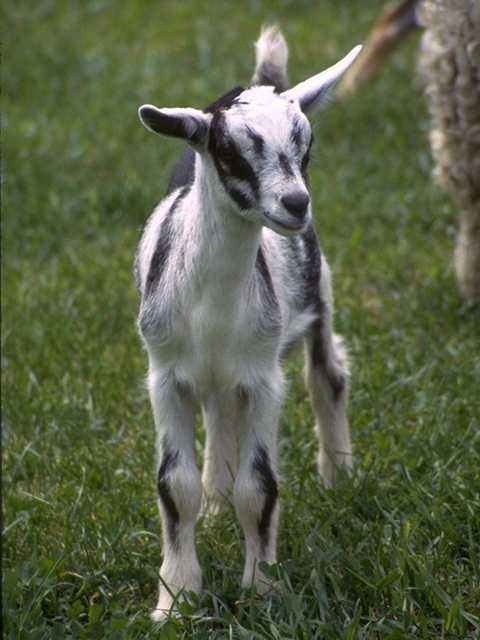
column 156, row 240
column 295, row 264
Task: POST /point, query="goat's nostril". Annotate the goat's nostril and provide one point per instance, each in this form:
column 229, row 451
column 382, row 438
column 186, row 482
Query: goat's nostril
column 296, row 202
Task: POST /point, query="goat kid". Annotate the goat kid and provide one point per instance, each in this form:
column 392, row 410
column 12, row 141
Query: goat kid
column 230, row 275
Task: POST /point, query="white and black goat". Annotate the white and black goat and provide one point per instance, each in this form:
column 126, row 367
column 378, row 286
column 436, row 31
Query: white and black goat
column 231, row 274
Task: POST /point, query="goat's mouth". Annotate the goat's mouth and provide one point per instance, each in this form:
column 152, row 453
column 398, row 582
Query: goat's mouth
column 286, row 226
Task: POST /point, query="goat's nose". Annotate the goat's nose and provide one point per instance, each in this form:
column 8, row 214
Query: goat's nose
column 296, row 203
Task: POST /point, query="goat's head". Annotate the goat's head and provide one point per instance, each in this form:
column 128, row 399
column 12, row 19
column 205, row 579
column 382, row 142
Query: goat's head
column 259, row 146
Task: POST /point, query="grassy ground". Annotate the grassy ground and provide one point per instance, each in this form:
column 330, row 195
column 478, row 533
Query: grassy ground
column 394, row 553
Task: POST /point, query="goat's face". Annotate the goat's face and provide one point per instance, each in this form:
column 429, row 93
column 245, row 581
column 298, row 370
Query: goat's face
column 260, row 147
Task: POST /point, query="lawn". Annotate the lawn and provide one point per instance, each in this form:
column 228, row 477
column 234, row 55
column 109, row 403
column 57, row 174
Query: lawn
column 392, row 553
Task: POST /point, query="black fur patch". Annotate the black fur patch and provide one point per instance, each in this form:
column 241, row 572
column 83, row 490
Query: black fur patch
column 336, row 381
column 160, row 255
column 304, row 166
column 262, row 469
column 240, row 198
column 318, row 353
column 225, row 101
column 184, row 171
column 270, row 319
column 229, row 160
column 311, row 269
column 264, row 271
column 296, row 134
column 285, row 165
column 258, row 141
column 169, row 462
column 269, row 74
column 262, row 267
column 174, row 125
column 305, row 161
column 304, row 257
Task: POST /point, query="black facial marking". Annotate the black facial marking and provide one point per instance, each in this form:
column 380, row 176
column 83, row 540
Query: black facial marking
column 258, row 141
column 160, row 255
column 184, row 170
column 285, row 165
column 227, row 156
column 268, row 485
column 305, row 161
column 240, row 198
column 238, row 166
column 296, row 135
column 169, row 462
column 229, row 160
column 304, row 164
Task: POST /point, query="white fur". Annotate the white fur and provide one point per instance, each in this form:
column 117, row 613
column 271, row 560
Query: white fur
column 212, row 339
column 271, row 47
column 271, row 52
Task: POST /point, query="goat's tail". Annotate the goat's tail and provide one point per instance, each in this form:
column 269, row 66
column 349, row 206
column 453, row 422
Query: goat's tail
column 271, row 58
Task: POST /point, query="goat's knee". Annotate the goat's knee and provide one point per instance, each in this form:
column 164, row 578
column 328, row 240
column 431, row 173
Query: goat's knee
column 255, row 497
column 180, row 492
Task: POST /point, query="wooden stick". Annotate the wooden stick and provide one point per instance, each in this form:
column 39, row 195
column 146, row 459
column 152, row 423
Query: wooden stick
column 395, row 22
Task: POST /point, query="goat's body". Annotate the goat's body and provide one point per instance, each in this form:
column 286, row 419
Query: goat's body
column 201, row 320
column 222, row 298
column 230, row 297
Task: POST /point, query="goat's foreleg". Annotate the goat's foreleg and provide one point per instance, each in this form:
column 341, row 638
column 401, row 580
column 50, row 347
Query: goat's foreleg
column 256, row 490
column 179, row 488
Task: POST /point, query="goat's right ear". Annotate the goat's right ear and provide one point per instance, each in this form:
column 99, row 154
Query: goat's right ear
column 189, row 124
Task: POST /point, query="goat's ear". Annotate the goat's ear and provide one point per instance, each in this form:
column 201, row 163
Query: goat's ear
column 189, row 124
column 312, row 92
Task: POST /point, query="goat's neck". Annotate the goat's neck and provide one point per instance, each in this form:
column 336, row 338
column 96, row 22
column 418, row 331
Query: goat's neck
column 224, row 245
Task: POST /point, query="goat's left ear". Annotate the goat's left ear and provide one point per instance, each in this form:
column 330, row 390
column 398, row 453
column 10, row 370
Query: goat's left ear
column 312, row 92
column 189, row 124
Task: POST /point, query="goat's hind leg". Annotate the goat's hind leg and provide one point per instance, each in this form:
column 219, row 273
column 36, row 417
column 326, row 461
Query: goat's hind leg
column 327, row 378
column 179, row 488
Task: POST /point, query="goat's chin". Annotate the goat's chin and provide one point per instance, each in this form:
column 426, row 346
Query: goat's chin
column 285, row 226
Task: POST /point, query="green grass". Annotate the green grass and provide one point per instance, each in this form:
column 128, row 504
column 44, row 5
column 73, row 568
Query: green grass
column 393, row 553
